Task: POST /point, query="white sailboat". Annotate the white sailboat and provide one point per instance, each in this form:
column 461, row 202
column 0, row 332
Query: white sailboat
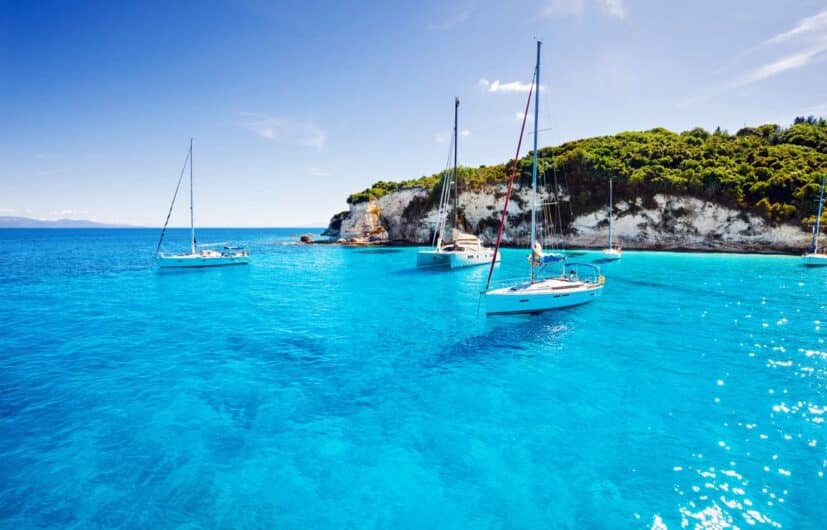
column 569, row 285
column 197, row 257
column 611, row 253
column 817, row 257
column 453, row 248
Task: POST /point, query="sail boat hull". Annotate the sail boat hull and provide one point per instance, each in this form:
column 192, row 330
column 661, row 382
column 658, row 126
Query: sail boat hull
column 199, row 261
column 814, row 260
column 611, row 254
column 539, row 297
column 454, row 259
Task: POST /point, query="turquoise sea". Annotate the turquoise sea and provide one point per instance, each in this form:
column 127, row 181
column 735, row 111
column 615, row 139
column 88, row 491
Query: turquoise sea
column 330, row 387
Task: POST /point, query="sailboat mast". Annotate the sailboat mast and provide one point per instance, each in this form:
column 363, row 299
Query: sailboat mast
column 534, row 161
column 610, row 213
column 456, row 177
column 817, row 227
column 192, row 215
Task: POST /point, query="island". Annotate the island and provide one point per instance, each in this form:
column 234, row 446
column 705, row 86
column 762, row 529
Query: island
column 752, row 191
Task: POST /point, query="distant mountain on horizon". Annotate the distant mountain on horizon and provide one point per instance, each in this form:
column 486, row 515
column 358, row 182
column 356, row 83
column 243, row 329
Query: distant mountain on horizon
column 26, row 222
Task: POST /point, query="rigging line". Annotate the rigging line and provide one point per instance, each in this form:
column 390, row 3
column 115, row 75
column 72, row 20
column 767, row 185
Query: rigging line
column 511, row 182
column 169, row 213
column 571, row 195
column 557, row 201
column 443, row 196
column 549, row 220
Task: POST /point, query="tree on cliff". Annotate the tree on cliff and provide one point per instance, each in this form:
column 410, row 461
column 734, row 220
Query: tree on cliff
column 769, row 170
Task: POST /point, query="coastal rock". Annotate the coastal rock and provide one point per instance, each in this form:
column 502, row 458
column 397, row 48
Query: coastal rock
column 686, row 223
column 334, row 227
column 664, row 222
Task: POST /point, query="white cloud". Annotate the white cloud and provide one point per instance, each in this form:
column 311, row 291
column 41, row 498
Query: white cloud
column 67, row 212
column 614, row 8
column 814, row 24
column 7, row 210
column 798, row 47
column 790, row 62
column 317, row 172
column 442, row 136
column 566, row 8
column 513, row 86
column 285, row 130
column 804, row 43
column 465, row 132
column 561, row 8
column 451, row 22
column 49, row 172
column 519, row 116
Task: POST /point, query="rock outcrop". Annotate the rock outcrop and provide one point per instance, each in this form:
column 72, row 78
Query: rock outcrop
column 408, row 216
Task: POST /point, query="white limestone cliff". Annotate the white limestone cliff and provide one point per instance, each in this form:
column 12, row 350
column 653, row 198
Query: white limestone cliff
column 671, row 222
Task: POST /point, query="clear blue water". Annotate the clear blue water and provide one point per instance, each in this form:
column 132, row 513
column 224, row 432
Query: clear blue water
column 328, row 387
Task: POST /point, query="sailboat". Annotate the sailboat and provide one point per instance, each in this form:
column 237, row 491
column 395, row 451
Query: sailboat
column 197, row 257
column 611, row 253
column 453, row 248
column 569, row 284
column 817, row 257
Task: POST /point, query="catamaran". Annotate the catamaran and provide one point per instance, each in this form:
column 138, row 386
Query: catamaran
column 197, row 257
column 567, row 284
column 611, row 253
column 453, row 248
column 817, row 257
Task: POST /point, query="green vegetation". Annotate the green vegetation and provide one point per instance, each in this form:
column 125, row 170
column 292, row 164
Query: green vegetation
column 769, row 170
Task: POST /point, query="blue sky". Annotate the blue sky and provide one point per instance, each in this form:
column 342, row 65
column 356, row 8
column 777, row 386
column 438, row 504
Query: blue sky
column 294, row 105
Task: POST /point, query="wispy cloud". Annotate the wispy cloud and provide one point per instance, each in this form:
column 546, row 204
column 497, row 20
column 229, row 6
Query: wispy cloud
column 317, row 172
column 284, row 130
column 7, row 210
column 771, row 69
column 49, row 172
column 452, row 21
column 815, row 24
column 67, row 212
column 567, row 8
column 797, row 47
column 614, row 8
column 519, row 116
column 562, row 8
column 802, row 44
column 513, row 86
column 442, row 137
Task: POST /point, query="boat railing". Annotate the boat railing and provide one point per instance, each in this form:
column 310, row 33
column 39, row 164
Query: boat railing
column 507, row 282
column 570, row 270
column 584, row 272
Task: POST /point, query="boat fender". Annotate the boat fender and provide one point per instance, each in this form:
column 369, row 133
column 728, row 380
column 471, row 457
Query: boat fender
column 601, row 280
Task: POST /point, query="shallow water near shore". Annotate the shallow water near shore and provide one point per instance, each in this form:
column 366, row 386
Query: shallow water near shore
column 332, row 387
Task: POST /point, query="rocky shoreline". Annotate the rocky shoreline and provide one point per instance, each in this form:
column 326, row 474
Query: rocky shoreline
column 664, row 222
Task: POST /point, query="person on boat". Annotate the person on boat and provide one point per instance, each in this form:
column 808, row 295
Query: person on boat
column 536, row 256
column 572, row 275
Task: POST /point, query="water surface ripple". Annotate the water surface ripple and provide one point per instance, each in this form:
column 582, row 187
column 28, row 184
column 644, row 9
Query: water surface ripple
column 329, row 387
